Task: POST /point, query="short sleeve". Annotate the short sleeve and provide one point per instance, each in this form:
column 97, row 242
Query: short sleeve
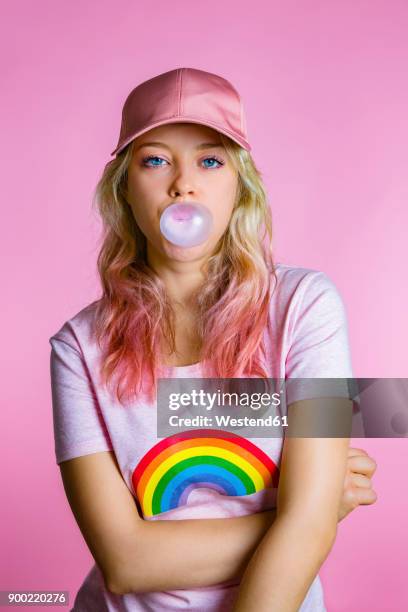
column 319, row 344
column 79, row 427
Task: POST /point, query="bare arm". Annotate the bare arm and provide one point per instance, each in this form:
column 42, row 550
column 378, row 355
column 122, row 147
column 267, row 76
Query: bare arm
column 310, row 490
column 240, row 535
column 208, row 551
column 135, row 555
column 112, row 528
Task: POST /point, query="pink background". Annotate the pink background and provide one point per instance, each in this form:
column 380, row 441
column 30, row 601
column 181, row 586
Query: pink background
column 325, row 90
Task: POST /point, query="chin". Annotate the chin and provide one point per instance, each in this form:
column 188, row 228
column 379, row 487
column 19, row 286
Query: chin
column 179, row 253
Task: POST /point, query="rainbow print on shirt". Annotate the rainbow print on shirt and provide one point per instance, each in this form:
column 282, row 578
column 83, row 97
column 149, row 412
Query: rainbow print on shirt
column 211, row 458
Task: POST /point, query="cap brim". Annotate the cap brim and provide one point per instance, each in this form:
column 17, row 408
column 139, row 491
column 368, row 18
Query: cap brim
column 236, row 137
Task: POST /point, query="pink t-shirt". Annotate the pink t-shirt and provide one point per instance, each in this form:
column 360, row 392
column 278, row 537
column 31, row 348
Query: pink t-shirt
column 309, row 339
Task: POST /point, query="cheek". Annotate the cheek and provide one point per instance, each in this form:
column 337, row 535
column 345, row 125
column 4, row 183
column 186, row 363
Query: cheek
column 144, row 217
column 222, row 218
column 136, row 191
column 140, row 204
column 230, row 193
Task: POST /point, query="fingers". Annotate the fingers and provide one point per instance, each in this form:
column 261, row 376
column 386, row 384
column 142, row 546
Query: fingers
column 358, row 487
column 363, row 496
column 356, row 451
column 362, row 464
column 358, row 480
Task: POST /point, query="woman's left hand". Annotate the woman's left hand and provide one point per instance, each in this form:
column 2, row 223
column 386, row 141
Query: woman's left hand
column 357, row 484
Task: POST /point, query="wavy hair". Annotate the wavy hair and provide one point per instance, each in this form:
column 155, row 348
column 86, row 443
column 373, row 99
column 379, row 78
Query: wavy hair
column 134, row 317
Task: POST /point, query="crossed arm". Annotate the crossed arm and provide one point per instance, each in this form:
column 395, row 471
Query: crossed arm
column 135, row 555
column 310, row 489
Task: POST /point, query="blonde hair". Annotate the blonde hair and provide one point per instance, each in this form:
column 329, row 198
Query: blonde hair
column 134, row 315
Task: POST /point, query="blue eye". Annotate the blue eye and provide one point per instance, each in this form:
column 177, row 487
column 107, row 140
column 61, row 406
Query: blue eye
column 219, row 162
column 146, row 159
column 156, row 157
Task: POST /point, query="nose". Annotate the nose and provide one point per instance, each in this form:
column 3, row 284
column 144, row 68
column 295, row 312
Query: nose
column 182, row 184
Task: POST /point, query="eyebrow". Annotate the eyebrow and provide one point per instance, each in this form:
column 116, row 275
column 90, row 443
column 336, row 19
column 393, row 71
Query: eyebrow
column 203, row 145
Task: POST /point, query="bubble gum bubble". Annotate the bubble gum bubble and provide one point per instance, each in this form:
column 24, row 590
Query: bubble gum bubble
column 186, row 224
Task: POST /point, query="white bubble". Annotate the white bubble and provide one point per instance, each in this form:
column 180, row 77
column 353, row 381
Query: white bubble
column 186, row 224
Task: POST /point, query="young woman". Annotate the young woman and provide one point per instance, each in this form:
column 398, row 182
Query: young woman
column 205, row 519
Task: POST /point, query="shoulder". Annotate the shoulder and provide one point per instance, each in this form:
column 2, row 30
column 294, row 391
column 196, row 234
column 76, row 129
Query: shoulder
column 315, row 325
column 292, row 277
column 297, row 284
column 77, row 331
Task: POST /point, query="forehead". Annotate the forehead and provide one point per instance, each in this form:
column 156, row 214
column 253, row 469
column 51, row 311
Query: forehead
column 174, row 133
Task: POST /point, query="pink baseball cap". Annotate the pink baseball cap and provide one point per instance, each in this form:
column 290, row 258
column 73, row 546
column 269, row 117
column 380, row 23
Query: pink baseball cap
column 183, row 95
